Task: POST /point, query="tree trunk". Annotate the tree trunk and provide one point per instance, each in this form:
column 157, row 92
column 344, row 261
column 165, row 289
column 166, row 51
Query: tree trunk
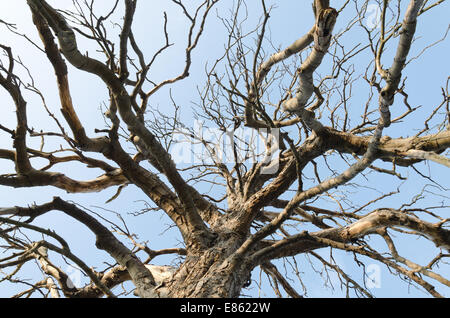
column 210, row 273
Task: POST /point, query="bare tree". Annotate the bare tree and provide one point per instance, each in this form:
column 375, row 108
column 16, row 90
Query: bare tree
column 263, row 207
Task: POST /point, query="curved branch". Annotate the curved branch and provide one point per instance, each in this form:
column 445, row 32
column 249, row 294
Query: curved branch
column 38, row 178
column 325, row 21
column 369, row 224
column 105, row 240
column 67, row 109
column 198, row 231
column 394, row 74
column 130, row 8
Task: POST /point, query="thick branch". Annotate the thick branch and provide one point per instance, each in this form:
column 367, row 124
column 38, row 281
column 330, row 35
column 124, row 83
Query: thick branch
column 130, row 7
column 305, row 242
column 394, row 74
column 12, row 86
column 67, row 109
column 325, row 21
column 36, row 178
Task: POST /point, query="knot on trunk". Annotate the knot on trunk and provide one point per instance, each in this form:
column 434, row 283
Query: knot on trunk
column 325, row 21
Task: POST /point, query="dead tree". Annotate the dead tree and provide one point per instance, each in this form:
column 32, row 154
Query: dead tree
column 267, row 205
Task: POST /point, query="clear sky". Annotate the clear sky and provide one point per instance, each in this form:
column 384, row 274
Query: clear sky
column 289, row 20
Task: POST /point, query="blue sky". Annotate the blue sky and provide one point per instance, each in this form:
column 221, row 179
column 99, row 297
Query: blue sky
column 289, row 20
